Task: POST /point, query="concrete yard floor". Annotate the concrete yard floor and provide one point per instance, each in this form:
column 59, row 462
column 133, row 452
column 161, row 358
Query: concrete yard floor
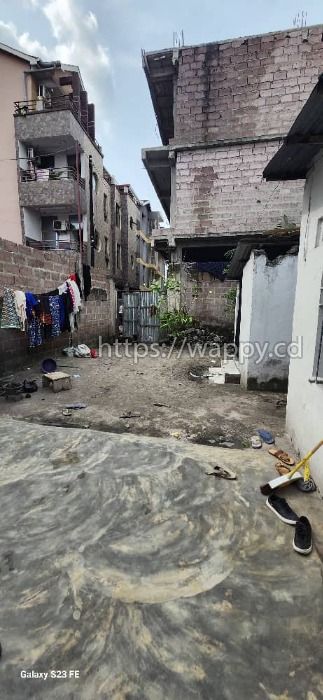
column 121, row 559
column 196, row 410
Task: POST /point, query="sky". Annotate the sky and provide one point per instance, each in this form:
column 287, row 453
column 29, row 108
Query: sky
column 105, row 38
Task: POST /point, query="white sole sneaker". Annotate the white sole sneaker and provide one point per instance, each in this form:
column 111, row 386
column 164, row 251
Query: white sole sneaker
column 284, row 520
column 302, row 551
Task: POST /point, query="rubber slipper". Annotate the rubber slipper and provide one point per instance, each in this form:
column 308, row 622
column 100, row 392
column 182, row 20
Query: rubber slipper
column 282, row 456
column 282, row 469
column 222, row 473
column 256, row 442
column 266, row 436
column 306, row 486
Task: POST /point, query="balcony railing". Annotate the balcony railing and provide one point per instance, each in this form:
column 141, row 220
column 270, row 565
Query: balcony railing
column 45, row 174
column 51, row 104
column 70, row 242
column 41, row 104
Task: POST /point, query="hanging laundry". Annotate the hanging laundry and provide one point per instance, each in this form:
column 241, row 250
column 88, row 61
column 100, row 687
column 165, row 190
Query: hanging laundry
column 35, row 337
column 87, row 280
column 31, row 304
column 20, row 303
column 9, row 316
column 55, row 315
column 77, row 304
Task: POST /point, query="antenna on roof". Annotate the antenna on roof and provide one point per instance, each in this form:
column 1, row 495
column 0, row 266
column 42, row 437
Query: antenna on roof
column 178, row 39
column 300, row 20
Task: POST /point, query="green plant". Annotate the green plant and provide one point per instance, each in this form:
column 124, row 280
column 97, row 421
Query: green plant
column 231, row 296
column 175, row 321
column 162, row 286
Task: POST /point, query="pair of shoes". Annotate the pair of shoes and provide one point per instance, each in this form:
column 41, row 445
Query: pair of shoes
column 303, row 532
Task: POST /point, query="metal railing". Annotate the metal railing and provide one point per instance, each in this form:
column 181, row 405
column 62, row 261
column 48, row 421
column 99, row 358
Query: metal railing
column 50, row 104
column 40, row 104
column 45, row 174
column 71, row 244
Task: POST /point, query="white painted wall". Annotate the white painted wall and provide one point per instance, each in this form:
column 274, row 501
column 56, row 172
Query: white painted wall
column 32, row 222
column 305, row 400
column 268, row 294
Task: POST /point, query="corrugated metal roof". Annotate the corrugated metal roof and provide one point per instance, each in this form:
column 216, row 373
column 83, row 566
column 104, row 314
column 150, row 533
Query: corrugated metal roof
column 303, row 141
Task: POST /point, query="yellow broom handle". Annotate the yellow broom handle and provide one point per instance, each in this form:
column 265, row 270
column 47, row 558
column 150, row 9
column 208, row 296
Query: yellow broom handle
column 305, row 459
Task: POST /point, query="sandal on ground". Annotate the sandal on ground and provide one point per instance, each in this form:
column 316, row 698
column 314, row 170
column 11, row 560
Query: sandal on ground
column 282, row 456
column 306, row 486
column 256, row 442
column 282, row 469
column 266, row 436
column 222, row 473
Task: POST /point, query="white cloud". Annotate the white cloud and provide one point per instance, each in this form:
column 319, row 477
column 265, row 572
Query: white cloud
column 9, row 35
column 74, row 31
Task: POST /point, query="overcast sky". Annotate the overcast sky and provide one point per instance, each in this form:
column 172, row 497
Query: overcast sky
column 105, row 38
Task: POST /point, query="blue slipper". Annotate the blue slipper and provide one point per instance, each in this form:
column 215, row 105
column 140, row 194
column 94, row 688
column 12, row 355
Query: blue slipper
column 266, row 436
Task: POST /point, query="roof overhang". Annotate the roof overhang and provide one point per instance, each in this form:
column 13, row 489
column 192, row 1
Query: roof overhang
column 281, row 242
column 302, row 143
column 158, row 166
column 159, row 67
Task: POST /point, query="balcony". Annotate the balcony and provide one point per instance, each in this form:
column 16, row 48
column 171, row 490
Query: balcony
column 42, row 188
column 58, row 117
column 66, row 241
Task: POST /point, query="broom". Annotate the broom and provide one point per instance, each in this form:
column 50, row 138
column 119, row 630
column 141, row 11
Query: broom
column 293, row 475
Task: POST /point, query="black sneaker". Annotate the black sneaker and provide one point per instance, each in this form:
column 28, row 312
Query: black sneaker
column 281, row 508
column 303, row 536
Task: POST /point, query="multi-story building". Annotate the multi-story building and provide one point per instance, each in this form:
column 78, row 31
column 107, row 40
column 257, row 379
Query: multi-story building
column 223, row 109
column 57, row 193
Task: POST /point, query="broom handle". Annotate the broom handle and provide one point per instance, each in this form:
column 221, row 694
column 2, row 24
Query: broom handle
column 305, row 459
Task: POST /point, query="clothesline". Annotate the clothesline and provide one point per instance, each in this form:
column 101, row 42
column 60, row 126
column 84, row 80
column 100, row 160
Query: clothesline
column 46, row 315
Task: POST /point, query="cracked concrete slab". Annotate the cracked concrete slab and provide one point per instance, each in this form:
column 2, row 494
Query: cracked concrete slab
column 121, row 558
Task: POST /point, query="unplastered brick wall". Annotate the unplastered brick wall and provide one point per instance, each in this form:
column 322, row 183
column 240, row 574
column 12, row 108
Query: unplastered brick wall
column 39, row 271
column 206, row 298
column 250, row 86
column 221, row 190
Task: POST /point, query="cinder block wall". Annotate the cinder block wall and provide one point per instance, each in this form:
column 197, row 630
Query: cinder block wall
column 205, row 297
column 221, row 190
column 246, row 87
column 39, row 271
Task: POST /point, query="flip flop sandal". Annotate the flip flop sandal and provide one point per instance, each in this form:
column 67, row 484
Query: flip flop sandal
column 222, row 473
column 282, row 469
column 282, row 456
column 306, row 486
column 266, row 436
column 256, row 442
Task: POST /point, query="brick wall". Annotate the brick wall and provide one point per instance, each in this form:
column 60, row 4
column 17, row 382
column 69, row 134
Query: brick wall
column 222, row 191
column 205, row 298
column 38, row 271
column 246, row 87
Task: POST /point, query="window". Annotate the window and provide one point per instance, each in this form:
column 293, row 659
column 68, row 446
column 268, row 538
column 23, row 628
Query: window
column 138, row 225
column 118, row 256
column 118, row 216
column 132, row 260
column 131, row 222
column 95, row 182
column 319, row 233
column 46, row 162
column 318, row 357
column 105, row 206
column 106, row 250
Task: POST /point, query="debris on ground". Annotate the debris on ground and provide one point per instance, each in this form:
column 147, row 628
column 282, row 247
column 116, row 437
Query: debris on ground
column 160, row 405
column 129, row 414
column 76, row 406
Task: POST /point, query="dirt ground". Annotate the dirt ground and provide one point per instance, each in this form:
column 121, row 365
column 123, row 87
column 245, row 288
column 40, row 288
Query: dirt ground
column 153, row 396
